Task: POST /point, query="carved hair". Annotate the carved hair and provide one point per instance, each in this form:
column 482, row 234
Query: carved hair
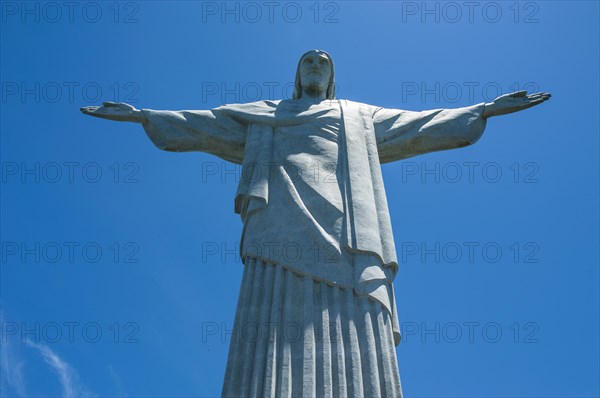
column 330, row 94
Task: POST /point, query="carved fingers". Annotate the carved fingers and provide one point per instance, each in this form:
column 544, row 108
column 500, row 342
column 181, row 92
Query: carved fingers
column 118, row 111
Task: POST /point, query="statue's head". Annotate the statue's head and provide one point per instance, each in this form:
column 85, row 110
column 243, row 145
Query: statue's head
column 315, row 74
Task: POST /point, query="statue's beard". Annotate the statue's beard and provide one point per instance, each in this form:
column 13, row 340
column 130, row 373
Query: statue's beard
column 314, row 89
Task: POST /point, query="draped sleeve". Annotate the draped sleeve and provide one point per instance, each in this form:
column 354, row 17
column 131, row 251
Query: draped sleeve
column 217, row 131
column 402, row 134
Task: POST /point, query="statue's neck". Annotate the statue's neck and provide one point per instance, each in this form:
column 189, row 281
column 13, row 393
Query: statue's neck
column 313, row 96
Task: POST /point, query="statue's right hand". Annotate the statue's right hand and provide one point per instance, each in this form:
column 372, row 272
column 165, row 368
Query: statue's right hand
column 118, row 111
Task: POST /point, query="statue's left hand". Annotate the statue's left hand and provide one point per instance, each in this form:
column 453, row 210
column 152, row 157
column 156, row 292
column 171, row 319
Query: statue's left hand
column 514, row 102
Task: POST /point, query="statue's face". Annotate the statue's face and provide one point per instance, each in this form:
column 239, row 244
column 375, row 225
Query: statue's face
column 315, row 73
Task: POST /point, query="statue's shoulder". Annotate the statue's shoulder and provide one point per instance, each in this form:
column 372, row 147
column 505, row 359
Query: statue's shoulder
column 256, row 107
column 267, row 103
column 350, row 102
column 361, row 107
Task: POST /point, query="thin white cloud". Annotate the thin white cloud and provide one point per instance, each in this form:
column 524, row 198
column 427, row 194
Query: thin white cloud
column 11, row 367
column 117, row 381
column 67, row 376
column 11, row 371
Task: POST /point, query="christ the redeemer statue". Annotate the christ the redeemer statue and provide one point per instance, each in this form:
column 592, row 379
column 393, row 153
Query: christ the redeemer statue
column 316, row 315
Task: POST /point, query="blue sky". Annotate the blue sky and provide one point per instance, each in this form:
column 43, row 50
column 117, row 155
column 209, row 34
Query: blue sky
column 119, row 275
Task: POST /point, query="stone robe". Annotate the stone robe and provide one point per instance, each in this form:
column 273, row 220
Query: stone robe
column 311, row 194
column 367, row 136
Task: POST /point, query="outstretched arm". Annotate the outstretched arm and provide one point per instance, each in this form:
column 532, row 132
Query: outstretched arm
column 214, row 131
column 402, row 134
